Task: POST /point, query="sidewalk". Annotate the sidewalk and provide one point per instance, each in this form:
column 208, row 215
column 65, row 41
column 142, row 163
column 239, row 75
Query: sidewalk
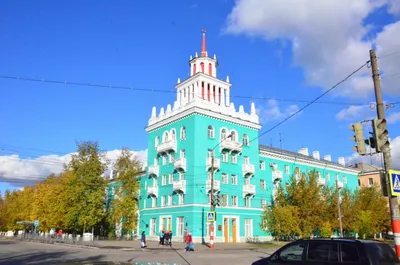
column 153, row 245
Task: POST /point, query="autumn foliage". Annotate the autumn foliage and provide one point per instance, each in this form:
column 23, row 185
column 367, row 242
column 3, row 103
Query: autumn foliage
column 304, row 208
column 75, row 200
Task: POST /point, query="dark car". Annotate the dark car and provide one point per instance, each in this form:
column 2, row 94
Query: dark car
column 332, row 252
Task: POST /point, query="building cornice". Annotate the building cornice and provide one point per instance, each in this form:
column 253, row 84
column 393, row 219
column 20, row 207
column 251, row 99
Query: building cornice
column 308, row 162
column 200, row 205
column 196, row 109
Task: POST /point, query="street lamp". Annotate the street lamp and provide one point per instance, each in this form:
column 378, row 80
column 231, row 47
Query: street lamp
column 212, row 190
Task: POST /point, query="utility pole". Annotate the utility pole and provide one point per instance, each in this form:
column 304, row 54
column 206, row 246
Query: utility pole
column 387, row 158
column 339, row 210
column 212, row 200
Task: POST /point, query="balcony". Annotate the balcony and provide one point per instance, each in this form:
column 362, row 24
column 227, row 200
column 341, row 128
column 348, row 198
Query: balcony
column 230, row 145
column 154, row 170
column 166, row 147
column 180, row 164
column 217, row 185
column 248, row 169
column 321, row 181
column 152, row 191
column 277, row 175
column 217, row 163
column 249, row 189
column 179, row 185
column 339, row 184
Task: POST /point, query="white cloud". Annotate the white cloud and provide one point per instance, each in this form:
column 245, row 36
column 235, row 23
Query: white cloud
column 272, row 111
column 14, row 168
column 377, row 159
column 355, row 113
column 327, row 37
column 394, row 7
column 360, row 113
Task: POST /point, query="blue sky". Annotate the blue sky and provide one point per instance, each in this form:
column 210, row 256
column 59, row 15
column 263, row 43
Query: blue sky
column 147, row 44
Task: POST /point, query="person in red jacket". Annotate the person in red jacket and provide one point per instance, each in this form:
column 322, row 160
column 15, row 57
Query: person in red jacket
column 189, row 241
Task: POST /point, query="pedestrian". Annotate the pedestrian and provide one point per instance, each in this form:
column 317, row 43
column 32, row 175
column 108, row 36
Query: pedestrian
column 189, row 242
column 143, row 240
column 161, row 235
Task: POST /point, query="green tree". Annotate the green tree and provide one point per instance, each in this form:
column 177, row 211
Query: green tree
column 125, row 202
column 281, row 221
column 370, row 202
column 326, row 229
column 86, row 187
column 306, row 194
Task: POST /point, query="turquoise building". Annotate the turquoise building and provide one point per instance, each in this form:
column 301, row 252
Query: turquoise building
column 175, row 191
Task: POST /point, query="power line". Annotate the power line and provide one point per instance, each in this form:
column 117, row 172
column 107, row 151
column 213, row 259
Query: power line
column 390, row 75
column 307, row 105
column 389, row 54
column 88, row 84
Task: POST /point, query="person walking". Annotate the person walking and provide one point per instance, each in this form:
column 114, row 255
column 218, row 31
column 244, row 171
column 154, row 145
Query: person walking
column 143, row 240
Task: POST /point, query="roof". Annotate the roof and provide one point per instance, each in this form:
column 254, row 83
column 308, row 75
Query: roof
column 295, row 154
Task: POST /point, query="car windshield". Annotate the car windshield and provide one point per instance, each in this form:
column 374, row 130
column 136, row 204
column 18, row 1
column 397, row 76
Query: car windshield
column 382, row 254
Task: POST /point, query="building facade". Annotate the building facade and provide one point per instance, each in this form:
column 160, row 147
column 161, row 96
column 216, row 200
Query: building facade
column 204, row 122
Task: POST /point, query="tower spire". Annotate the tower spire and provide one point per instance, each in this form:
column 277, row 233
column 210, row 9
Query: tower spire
column 203, row 45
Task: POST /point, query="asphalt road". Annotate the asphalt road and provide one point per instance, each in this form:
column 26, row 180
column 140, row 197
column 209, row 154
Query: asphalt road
column 17, row 252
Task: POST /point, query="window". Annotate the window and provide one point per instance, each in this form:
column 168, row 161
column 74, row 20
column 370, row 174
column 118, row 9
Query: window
column 246, row 181
column 210, row 132
column 359, row 183
column 171, row 157
column 234, row 200
column 165, row 137
column 181, row 176
column 153, row 226
column 286, row 169
column 224, row 178
column 223, row 134
column 180, row 226
column 170, row 178
column 157, row 141
column 233, row 136
column 247, row 201
column 225, row 157
column 144, row 203
column 154, row 202
column 164, row 180
column 263, row 203
column 248, row 227
column 246, row 160
column 344, row 180
column 156, row 161
column 234, row 159
column 262, row 165
column 164, row 160
column 182, row 153
column 224, row 200
column 263, row 184
column 234, row 179
column 181, row 198
column 336, row 177
column 173, row 135
column 169, row 199
column 370, row 181
column 293, row 252
column 183, row 133
column 210, row 153
column 245, row 140
column 322, row 251
column 349, row 253
column 163, row 201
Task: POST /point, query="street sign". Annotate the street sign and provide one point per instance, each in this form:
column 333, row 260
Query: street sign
column 36, row 223
column 394, row 177
column 210, row 216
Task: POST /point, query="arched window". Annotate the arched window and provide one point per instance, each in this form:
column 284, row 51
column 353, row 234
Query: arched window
column 194, row 69
column 157, row 141
column 210, row 132
column 233, row 136
column 245, row 140
column 183, row 133
column 223, row 134
column 173, row 135
column 165, row 137
column 202, row 67
column 210, row 68
column 297, row 171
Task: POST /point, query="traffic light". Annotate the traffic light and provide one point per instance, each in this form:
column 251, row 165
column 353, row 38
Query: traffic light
column 371, row 141
column 358, row 137
column 379, row 127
